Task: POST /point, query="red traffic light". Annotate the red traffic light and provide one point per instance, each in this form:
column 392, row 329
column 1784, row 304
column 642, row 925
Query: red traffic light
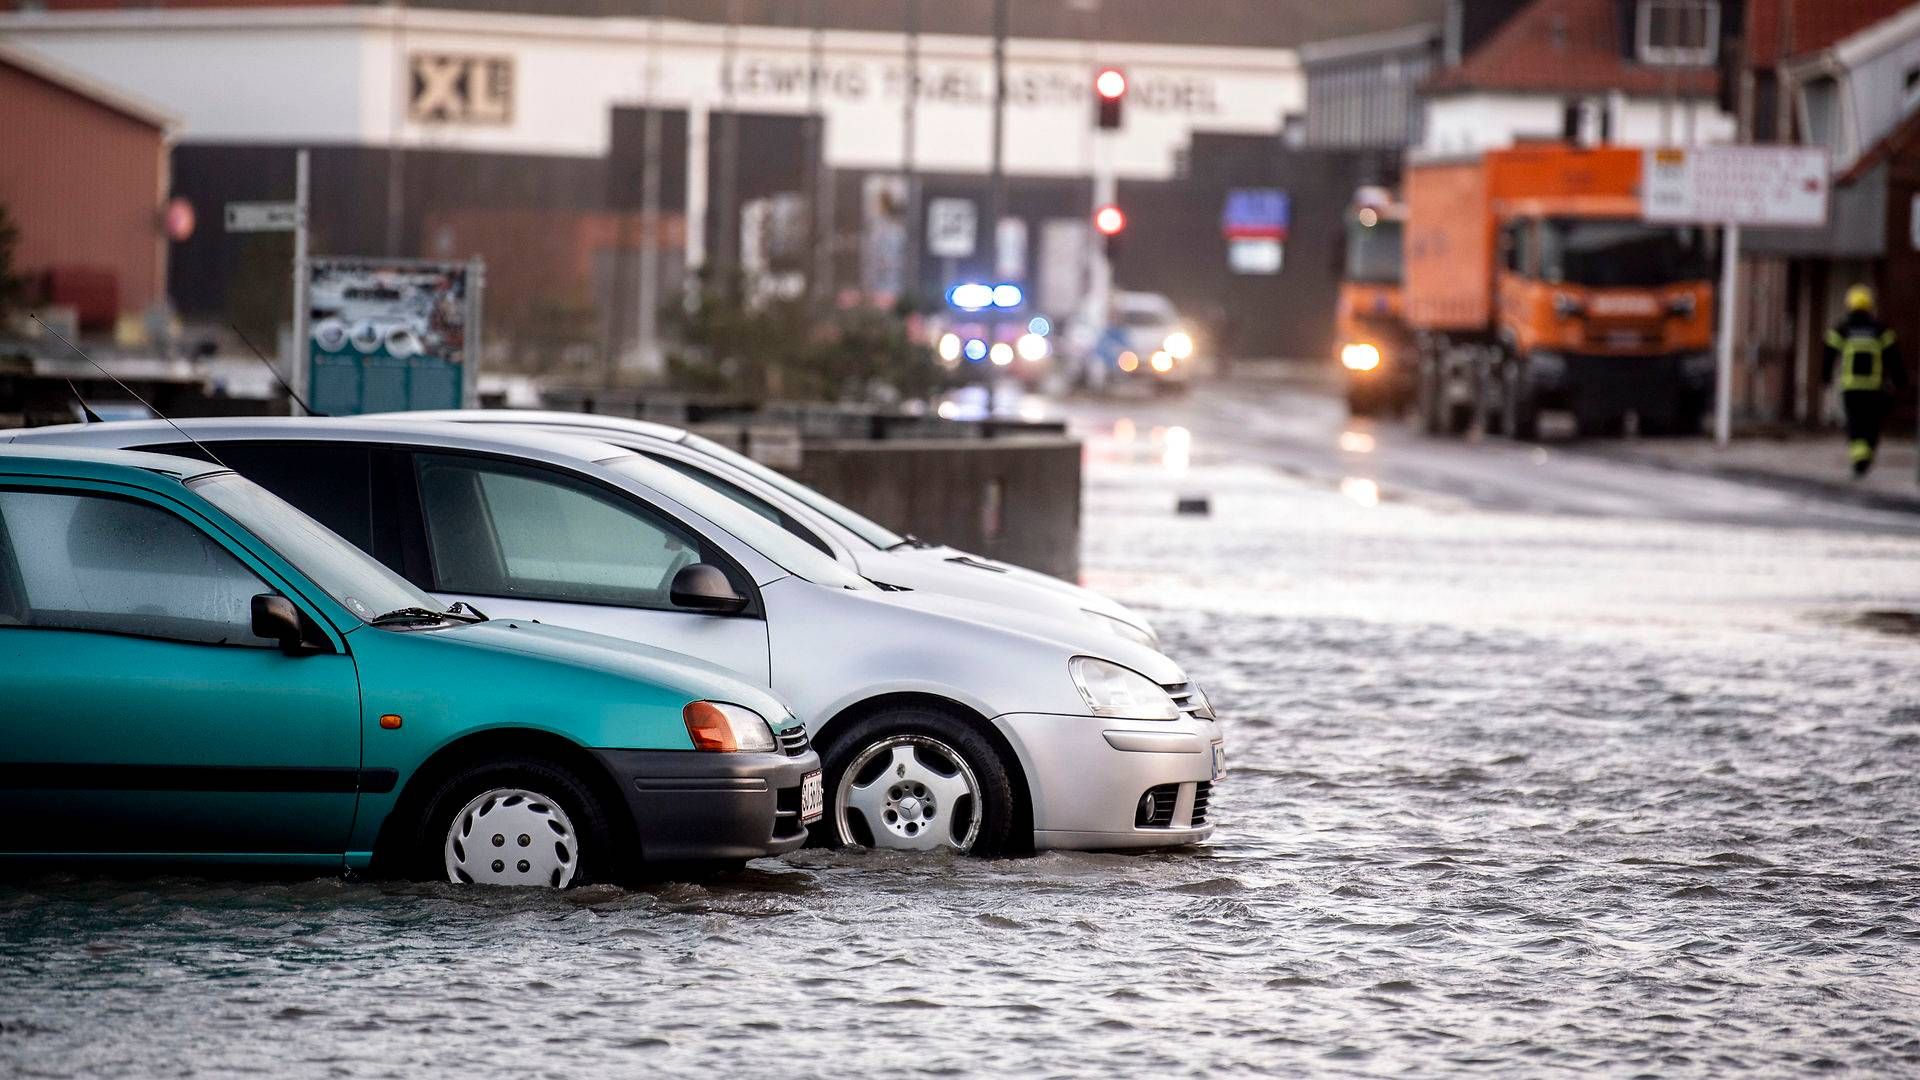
column 1110, row 83
column 1109, row 220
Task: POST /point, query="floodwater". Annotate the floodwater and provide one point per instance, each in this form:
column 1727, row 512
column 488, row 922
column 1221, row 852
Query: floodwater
column 1510, row 794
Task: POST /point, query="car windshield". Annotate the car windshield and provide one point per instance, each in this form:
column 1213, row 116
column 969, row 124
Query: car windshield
column 872, row 532
column 1374, row 253
column 349, row 575
column 1621, row 253
column 791, row 553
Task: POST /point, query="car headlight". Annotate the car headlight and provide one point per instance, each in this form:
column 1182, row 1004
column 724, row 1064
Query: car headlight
column 1360, row 357
column 1122, row 627
column 1179, row 345
column 1112, row 690
column 718, row 726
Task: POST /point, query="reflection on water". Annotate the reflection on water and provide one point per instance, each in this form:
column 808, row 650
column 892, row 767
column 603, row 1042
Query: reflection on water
column 1360, row 490
column 1176, row 450
column 1356, row 442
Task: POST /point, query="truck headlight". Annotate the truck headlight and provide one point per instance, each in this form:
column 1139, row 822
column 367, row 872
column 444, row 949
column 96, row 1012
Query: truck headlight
column 1112, row 690
column 1360, row 357
column 1122, row 627
column 721, row 727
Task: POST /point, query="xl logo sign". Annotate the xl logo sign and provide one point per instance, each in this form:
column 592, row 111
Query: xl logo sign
column 451, row 89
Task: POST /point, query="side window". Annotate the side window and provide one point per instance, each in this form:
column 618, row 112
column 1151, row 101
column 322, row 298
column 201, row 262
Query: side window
column 93, row 562
column 499, row 529
column 744, row 497
column 329, row 481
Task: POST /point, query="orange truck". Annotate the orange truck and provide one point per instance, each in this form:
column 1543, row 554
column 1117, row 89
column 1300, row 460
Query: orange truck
column 1372, row 342
column 1533, row 283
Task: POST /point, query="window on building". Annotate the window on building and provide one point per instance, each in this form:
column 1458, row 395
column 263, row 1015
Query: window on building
column 1679, row 33
column 1820, row 103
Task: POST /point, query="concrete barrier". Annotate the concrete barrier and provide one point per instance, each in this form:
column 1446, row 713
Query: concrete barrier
column 1016, row 499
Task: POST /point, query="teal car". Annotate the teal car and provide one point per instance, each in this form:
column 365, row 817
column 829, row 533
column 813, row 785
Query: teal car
column 193, row 670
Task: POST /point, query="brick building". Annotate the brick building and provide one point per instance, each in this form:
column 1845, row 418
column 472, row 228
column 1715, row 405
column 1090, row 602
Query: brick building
column 83, row 174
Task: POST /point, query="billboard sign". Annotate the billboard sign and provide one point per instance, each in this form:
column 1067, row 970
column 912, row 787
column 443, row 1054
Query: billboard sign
column 391, row 334
column 952, row 228
column 1771, row 186
column 1256, row 214
column 1256, row 222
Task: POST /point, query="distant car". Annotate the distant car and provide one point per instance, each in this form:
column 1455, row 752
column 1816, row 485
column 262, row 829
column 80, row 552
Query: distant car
column 863, row 546
column 942, row 722
column 196, row 671
column 1146, row 342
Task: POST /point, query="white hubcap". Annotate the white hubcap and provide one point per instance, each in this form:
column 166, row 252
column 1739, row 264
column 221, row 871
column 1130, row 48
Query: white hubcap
column 911, row 792
column 508, row 836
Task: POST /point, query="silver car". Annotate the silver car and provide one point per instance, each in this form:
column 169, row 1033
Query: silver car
column 942, row 722
column 867, row 548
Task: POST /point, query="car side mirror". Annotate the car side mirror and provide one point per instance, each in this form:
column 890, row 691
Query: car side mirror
column 703, row 587
column 276, row 619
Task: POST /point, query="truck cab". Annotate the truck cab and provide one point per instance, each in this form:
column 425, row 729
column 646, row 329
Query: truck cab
column 1601, row 314
column 1372, row 342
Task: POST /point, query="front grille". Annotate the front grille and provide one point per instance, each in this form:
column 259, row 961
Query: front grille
column 1156, row 807
column 1202, row 792
column 1188, row 700
column 793, row 742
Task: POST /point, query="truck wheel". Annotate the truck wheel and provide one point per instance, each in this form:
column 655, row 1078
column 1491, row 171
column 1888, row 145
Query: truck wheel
column 917, row 778
column 528, row 822
column 1426, row 401
column 1520, row 409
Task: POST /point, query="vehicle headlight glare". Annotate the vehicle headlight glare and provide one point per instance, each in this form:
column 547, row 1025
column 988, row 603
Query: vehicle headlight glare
column 1179, row 344
column 1112, row 690
column 1122, row 627
column 721, row 727
column 1360, row 357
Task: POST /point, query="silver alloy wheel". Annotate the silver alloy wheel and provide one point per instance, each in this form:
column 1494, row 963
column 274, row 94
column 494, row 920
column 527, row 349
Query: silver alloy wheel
column 915, row 801
column 510, row 836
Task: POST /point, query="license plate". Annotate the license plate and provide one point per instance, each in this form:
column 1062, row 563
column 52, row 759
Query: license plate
column 813, row 798
column 1219, row 762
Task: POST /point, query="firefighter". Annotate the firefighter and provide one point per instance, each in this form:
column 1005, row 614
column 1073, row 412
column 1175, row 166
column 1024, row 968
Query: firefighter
column 1867, row 358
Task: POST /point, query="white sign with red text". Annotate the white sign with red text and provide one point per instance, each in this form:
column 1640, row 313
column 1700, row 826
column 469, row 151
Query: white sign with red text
column 1779, row 186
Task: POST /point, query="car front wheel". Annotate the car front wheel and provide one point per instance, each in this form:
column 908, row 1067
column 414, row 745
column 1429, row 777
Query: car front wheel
column 918, row 779
column 527, row 823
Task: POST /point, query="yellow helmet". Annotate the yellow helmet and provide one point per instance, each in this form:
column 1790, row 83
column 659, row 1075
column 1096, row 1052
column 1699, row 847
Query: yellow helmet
column 1859, row 298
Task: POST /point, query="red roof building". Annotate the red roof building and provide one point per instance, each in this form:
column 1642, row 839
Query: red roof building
column 83, row 174
column 1569, row 46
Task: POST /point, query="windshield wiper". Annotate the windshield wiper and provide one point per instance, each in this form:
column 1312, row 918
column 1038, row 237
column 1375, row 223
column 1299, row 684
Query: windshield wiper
column 410, row 615
column 460, row 607
column 909, row 541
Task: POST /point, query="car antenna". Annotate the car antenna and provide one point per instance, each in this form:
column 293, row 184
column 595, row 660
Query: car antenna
column 61, row 338
column 273, row 371
column 87, row 415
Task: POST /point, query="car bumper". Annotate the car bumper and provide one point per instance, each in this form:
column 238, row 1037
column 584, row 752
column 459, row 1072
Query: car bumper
column 1089, row 777
column 691, row 806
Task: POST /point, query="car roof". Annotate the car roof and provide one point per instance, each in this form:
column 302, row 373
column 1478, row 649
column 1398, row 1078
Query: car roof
column 552, row 418
column 550, row 445
column 95, row 463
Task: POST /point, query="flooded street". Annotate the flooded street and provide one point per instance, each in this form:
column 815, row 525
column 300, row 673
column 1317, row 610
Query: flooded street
column 1539, row 764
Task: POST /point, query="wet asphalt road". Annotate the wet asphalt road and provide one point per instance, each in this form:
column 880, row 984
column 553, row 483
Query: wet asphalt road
column 1537, row 769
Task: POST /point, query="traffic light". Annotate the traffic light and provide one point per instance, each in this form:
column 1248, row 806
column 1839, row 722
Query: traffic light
column 1109, row 94
column 1110, row 222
